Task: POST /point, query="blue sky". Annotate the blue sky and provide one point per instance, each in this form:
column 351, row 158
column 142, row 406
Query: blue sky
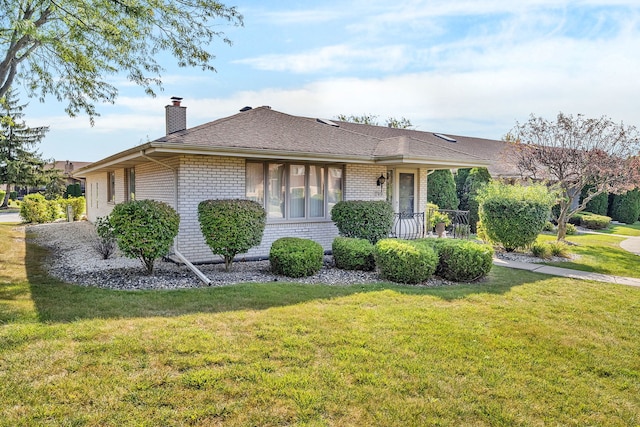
column 465, row 67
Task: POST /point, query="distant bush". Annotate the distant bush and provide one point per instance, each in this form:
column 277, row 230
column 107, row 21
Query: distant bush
column 576, row 219
column 2, row 194
column 405, row 261
column 514, row 215
column 78, row 205
column 477, row 178
column 144, row 229
column 371, row 220
column 461, row 260
column 353, row 254
column 548, row 226
column 231, row 227
column 595, row 222
column 13, row 195
column 598, row 205
column 73, row 190
column 571, row 230
column 295, row 257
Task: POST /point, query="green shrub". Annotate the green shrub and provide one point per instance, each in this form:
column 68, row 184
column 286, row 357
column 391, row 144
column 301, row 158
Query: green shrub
column 36, row 209
column 559, row 249
column 595, row 222
column 626, row 207
column 2, row 194
column 295, row 257
column 441, row 189
column 481, row 233
column 405, row 261
column 77, row 204
column 514, row 215
column 576, row 219
column 73, row 190
column 571, row 230
column 105, row 243
column 549, row 227
column 13, row 195
column 371, row 220
column 144, row 229
column 461, row 260
column 353, row 254
column 540, row 250
column 231, row 227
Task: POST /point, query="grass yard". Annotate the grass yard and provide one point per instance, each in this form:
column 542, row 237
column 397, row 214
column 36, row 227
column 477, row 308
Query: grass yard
column 622, row 229
column 599, row 253
column 518, row 349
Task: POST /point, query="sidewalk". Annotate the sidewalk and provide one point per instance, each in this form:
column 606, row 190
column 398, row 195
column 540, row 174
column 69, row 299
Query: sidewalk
column 566, row 272
column 10, row 216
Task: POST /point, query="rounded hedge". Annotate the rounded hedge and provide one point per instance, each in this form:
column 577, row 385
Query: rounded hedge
column 461, row 260
column 514, row 215
column 594, row 222
column 350, row 253
column 405, row 261
column 144, row 229
column 37, row 209
column 295, row 257
column 371, row 220
column 232, row 226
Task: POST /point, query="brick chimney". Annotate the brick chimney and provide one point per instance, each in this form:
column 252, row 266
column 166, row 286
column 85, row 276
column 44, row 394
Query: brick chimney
column 176, row 116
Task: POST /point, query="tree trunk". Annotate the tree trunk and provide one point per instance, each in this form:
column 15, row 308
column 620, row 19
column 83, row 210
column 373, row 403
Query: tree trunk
column 562, row 220
column 5, row 202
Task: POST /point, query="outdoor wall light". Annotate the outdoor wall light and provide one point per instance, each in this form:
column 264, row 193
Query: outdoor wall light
column 381, row 180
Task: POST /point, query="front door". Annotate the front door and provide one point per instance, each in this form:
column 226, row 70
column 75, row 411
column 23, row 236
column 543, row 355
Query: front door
column 407, row 225
column 406, row 192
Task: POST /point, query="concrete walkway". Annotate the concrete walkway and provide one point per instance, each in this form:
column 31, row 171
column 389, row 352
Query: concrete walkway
column 9, row 216
column 566, row 272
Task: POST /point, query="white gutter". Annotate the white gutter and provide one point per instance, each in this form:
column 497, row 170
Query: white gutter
column 176, row 252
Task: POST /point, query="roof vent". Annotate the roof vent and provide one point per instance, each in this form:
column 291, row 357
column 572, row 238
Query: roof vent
column 327, row 122
column 445, row 137
column 243, row 109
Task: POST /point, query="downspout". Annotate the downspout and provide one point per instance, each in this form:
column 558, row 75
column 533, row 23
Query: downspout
column 176, row 252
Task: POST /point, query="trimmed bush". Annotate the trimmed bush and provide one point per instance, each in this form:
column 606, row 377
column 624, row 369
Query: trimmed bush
column 13, row 195
column 576, row 219
column 353, row 254
column 441, row 189
column 371, row 220
column 549, row 227
column 144, row 229
column 571, row 230
column 73, row 190
column 461, row 260
column 295, row 257
column 514, row 215
column 595, row 222
column 231, row 227
column 405, row 261
column 36, row 209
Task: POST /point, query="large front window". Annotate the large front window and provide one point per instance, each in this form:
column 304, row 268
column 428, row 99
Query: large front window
column 294, row 191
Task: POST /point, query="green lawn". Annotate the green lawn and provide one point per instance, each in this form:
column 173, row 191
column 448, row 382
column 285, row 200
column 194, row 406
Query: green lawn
column 622, row 229
column 518, row 349
column 599, row 253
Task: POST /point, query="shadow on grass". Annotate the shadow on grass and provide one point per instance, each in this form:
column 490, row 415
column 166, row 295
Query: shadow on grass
column 60, row 302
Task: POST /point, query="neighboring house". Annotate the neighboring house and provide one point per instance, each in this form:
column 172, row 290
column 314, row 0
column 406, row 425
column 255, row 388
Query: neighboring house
column 296, row 167
column 67, row 168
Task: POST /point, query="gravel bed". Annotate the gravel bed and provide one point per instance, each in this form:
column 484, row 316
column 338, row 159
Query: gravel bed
column 73, row 260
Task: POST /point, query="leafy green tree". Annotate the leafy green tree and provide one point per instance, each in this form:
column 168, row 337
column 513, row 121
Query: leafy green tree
column 20, row 163
column 441, row 189
column 598, row 205
column 71, row 48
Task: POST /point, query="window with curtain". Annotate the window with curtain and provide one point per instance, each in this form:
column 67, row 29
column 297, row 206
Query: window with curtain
column 294, row 191
column 130, row 175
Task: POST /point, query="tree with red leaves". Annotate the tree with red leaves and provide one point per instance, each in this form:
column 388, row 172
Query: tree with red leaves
column 572, row 153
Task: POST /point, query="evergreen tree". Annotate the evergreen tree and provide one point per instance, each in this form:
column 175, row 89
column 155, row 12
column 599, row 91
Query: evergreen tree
column 460, row 178
column 626, row 207
column 478, row 178
column 441, row 189
column 599, row 205
column 20, row 163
